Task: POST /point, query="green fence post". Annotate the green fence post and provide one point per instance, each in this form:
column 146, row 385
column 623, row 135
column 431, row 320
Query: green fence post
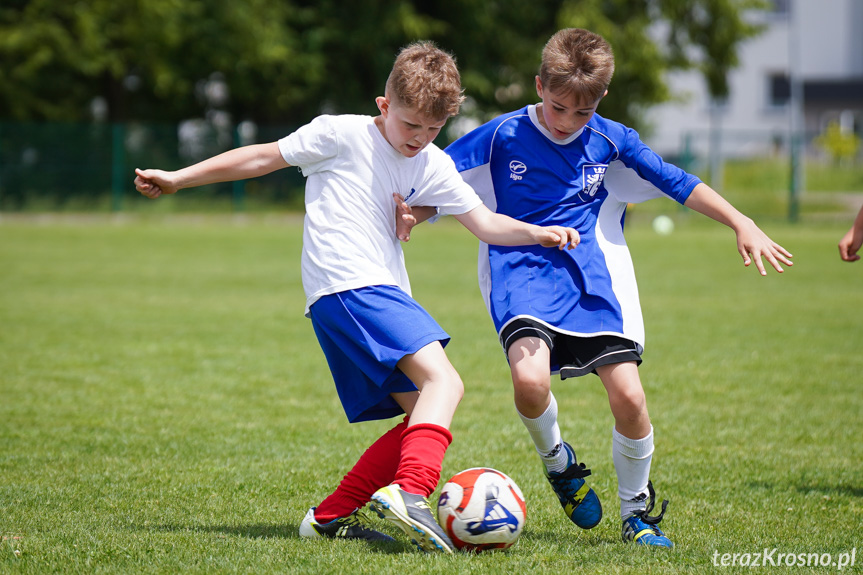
column 796, row 179
column 715, row 146
column 687, row 161
column 797, row 126
column 687, row 156
column 118, row 165
column 239, row 186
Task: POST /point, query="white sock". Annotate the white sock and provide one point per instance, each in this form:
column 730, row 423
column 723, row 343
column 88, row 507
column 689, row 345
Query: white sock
column 545, row 433
column 632, row 462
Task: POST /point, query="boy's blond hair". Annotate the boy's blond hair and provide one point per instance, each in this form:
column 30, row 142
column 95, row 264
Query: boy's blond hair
column 426, row 79
column 577, row 61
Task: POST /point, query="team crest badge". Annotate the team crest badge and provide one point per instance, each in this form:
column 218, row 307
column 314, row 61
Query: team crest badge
column 592, row 175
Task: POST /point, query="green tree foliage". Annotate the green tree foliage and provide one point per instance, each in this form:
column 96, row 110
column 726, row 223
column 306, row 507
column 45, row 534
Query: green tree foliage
column 289, row 60
column 146, row 58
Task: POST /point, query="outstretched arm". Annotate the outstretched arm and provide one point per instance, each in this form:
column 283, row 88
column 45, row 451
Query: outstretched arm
column 852, row 240
column 752, row 243
column 237, row 164
column 501, row 230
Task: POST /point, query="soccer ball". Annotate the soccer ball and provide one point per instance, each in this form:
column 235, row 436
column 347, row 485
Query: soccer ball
column 480, row 509
column 663, row 225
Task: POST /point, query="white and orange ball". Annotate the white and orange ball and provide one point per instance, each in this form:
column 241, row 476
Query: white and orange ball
column 481, row 509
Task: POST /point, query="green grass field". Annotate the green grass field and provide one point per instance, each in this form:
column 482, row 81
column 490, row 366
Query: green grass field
column 164, row 406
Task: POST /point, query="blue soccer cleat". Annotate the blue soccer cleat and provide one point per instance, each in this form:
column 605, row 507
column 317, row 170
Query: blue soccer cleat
column 641, row 528
column 579, row 501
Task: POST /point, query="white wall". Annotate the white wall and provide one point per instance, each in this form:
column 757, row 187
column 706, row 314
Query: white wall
column 830, row 47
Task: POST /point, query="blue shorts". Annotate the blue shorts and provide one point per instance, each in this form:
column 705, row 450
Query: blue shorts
column 363, row 334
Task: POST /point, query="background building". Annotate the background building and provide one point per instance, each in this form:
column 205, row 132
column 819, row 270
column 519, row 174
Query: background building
column 818, row 41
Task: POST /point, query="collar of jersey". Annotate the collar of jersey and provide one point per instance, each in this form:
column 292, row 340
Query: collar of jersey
column 531, row 111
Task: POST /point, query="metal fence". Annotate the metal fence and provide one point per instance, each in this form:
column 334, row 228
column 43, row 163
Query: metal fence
column 55, row 165
column 47, row 166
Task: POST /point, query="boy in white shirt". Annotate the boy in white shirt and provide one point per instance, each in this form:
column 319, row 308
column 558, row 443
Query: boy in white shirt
column 385, row 352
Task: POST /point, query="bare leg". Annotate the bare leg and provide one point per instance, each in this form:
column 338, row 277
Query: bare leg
column 626, row 399
column 423, row 446
column 632, row 437
column 531, row 376
column 441, row 388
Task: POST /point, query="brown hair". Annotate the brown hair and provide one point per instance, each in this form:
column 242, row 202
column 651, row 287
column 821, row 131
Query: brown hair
column 426, row 79
column 577, row 61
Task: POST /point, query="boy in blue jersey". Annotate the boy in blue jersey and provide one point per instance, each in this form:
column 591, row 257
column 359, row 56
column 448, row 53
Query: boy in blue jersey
column 577, row 312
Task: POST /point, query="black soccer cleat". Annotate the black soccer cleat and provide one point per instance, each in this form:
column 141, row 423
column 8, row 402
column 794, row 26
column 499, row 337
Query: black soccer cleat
column 354, row 526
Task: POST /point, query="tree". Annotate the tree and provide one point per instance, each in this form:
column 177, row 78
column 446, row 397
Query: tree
column 286, row 61
column 145, row 58
column 499, row 45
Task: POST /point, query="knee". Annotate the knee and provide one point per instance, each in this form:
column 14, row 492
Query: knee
column 458, row 388
column 454, row 384
column 531, row 389
column 629, row 404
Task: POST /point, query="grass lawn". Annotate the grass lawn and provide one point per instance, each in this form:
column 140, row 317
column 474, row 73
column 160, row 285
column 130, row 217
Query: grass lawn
column 164, row 406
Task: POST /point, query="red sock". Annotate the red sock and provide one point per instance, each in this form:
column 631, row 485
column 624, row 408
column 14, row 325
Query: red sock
column 423, row 448
column 376, row 468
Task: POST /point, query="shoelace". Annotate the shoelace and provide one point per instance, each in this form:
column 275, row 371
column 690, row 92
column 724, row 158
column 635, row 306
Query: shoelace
column 357, row 518
column 651, row 500
column 577, row 471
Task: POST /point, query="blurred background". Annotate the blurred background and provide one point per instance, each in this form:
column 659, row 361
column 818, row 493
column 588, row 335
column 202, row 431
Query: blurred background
column 761, row 98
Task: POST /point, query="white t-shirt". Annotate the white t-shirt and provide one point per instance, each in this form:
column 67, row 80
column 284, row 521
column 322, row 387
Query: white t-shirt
column 349, row 237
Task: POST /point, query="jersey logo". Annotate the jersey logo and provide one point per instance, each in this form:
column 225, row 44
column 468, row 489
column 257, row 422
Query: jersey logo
column 516, row 169
column 592, row 175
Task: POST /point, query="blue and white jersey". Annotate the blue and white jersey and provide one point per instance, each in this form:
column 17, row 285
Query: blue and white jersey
column 584, row 182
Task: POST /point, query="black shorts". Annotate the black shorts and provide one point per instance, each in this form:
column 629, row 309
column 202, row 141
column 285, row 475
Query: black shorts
column 575, row 355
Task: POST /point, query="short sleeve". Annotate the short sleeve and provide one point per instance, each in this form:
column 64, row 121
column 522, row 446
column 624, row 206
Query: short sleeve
column 627, row 186
column 313, row 146
column 638, row 161
column 444, row 188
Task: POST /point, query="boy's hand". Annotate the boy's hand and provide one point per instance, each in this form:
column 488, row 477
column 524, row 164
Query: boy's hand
column 405, row 220
column 154, row 183
column 751, row 241
column 559, row 236
column 850, row 244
